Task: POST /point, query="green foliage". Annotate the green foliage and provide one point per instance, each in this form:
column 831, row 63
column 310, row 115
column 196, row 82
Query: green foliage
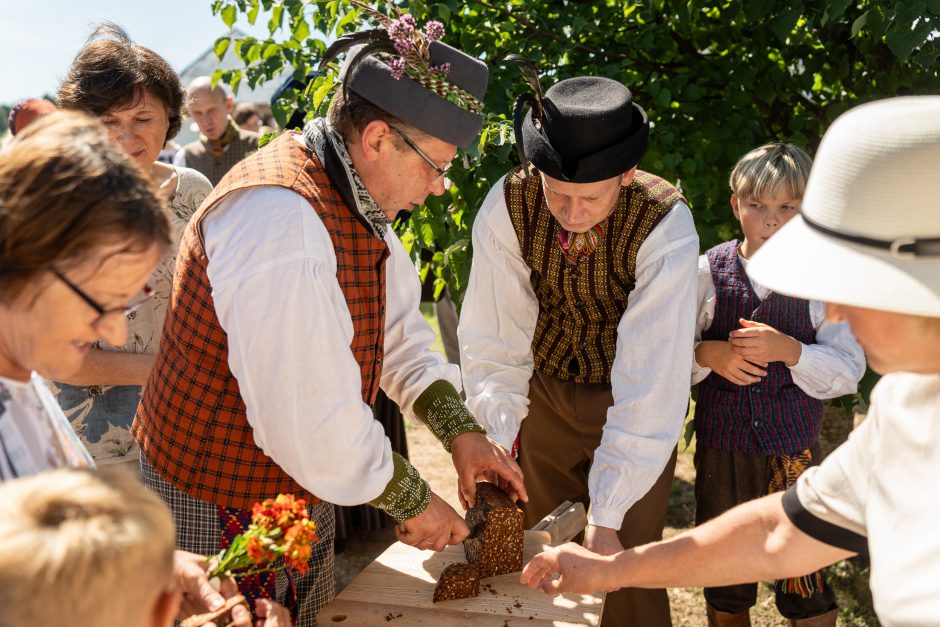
column 716, row 78
column 849, row 580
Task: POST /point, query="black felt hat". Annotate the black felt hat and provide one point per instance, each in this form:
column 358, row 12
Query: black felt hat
column 590, row 130
column 420, row 105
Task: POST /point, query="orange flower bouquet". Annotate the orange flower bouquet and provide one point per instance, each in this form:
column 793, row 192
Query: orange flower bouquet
column 280, row 528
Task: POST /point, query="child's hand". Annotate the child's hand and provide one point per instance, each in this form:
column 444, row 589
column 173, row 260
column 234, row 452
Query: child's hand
column 271, row 614
column 723, row 360
column 759, row 342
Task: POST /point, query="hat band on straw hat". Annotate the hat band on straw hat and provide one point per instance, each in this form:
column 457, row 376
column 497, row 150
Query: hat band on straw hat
column 902, row 247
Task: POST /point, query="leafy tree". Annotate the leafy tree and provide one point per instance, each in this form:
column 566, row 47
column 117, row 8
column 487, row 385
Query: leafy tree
column 4, row 116
column 716, row 78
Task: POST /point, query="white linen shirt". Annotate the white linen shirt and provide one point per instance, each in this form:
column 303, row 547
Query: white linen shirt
column 829, row 368
column 34, row 433
column 649, row 376
column 877, row 485
column 272, row 268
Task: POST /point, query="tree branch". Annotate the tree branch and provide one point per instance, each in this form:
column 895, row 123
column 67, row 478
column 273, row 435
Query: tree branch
column 528, row 24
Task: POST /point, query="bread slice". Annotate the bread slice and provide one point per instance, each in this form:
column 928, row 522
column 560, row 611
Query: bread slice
column 458, row 581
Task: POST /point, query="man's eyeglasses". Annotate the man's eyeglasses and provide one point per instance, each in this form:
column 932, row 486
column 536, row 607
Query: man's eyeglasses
column 441, row 172
column 106, row 314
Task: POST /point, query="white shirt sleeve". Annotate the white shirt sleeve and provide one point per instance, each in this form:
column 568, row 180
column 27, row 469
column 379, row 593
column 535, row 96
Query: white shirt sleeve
column 497, row 323
column 273, row 273
column 705, row 315
column 836, row 491
column 834, row 364
column 179, row 159
column 829, row 368
column 410, row 364
column 650, row 374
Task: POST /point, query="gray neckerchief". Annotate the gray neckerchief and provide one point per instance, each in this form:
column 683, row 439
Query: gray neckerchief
column 320, row 137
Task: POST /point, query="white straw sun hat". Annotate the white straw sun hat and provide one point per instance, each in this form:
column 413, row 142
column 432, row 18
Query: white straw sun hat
column 869, row 233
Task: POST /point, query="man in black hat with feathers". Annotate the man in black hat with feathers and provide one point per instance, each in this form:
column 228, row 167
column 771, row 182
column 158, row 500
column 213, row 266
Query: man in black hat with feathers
column 577, row 328
column 294, row 302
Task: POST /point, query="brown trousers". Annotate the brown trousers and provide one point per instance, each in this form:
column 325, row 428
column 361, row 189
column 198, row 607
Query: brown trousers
column 556, row 448
column 725, row 479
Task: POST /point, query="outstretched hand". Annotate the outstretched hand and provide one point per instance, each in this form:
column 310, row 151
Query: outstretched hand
column 477, row 457
column 569, row 568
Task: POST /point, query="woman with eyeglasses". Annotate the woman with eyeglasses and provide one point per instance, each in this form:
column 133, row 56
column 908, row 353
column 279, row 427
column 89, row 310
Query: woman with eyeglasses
column 81, row 232
column 139, row 99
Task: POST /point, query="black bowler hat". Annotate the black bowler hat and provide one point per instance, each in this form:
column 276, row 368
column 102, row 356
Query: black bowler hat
column 412, row 75
column 420, row 102
column 589, row 130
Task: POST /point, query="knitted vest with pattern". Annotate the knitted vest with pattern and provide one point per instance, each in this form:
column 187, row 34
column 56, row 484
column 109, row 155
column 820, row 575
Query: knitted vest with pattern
column 580, row 305
column 773, row 416
column 198, row 157
column 191, row 423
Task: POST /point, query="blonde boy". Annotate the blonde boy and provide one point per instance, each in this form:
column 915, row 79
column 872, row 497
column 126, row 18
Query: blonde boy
column 763, row 362
column 85, row 548
column 868, row 243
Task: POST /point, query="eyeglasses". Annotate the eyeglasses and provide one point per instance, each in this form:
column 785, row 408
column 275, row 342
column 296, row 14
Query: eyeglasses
column 104, row 314
column 441, row 172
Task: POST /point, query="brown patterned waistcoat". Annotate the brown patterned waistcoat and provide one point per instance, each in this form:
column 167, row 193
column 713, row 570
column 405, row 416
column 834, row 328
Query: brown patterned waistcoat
column 200, row 159
column 191, row 423
column 580, row 305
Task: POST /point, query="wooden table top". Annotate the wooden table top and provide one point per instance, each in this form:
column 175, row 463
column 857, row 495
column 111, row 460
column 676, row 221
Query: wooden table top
column 397, row 588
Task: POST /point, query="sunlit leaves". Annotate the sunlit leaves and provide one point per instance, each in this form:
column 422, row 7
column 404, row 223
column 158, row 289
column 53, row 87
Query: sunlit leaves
column 220, row 47
column 228, row 14
column 716, row 78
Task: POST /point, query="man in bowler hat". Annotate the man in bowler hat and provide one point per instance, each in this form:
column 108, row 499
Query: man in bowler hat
column 867, row 242
column 294, row 302
column 577, row 328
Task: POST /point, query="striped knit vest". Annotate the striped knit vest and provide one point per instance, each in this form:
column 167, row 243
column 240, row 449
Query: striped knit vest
column 191, row 423
column 581, row 305
column 198, row 157
column 773, row 416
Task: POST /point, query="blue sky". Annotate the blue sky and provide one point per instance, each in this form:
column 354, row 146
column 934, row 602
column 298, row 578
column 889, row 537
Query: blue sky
column 39, row 38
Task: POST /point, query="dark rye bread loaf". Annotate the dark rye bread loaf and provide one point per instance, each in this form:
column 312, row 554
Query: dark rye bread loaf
column 497, row 528
column 458, row 581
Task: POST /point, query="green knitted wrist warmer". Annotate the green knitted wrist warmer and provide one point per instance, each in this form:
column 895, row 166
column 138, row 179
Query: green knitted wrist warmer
column 406, row 495
column 440, row 408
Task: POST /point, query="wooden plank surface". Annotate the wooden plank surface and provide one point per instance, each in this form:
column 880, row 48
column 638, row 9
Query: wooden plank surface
column 565, row 522
column 396, row 590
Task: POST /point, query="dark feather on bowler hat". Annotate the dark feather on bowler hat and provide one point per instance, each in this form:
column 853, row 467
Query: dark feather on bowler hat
column 375, row 40
column 518, row 113
column 530, row 74
column 349, row 40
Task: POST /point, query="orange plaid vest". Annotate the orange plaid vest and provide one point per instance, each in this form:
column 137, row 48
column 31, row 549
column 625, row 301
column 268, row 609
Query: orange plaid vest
column 580, row 305
column 191, row 423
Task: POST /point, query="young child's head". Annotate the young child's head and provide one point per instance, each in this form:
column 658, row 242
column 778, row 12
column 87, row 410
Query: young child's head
column 86, row 549
column 766, row 191
column 868, row 239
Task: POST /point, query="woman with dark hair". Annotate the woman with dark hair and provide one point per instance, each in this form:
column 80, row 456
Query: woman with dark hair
column 138, row 97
